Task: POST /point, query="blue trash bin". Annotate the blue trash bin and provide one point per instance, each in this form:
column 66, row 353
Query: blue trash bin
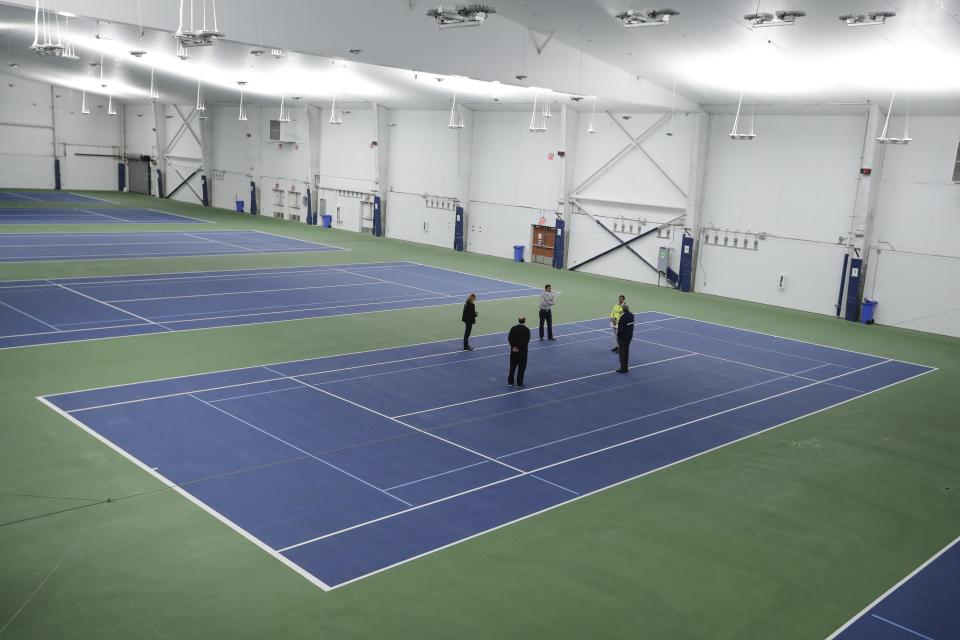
column 518, row 252
column 327, row 221
column 240, row 206
column 866, row 310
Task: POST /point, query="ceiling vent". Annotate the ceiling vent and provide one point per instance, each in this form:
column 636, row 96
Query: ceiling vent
column 463, row 15
column 646, row 17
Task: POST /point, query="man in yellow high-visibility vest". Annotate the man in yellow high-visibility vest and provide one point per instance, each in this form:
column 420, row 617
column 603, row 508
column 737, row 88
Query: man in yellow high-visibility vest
column 615, row 320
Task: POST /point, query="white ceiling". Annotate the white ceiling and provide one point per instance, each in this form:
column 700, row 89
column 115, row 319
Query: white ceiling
column 708, row 48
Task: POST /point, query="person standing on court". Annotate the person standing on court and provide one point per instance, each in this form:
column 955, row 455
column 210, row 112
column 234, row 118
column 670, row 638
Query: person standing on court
column 547, row 300
column 519, row 339
column 469, row 319
column 615, row 318
column 624, row 336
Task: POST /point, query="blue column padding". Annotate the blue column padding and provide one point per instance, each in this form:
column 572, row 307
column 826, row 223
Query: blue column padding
column 854, row 278
column 686, row 264
column 458, row 230
column 559, row 243
column 377, row 217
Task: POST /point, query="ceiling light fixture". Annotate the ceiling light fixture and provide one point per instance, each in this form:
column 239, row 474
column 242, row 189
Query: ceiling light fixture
column 646, row 17
column 111, row 109
column 276, row 53
column 84, row 109
column 870, row 19
column 778, row 19
column 202, row 37
column 137, row 53
column 906, row 139
column 200, row 104
column 154, row 94
column 69, row 51
column 673, row 106
column 284, row 112
column 243, row 108
column 335, row 116
column 538, row 123
column 735, row 133
column 46, row 31
column 182, row 52
column 456, row 115
column 592, row 124
column 463, row 15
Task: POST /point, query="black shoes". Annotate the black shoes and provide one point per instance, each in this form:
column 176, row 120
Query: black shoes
column 467, row 348
column 621, row 370
column 615, row 349
column 551, row 338
column 519, row 385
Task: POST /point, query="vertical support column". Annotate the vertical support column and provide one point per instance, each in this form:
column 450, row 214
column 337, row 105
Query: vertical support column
column 314, row 139
column 863, row 217
column 465, row 167
column 206, row 149
column 699, row 149
column 458, row 230
column 569, row 135
column 53, row 132
column 160, row 133
column 381, row 159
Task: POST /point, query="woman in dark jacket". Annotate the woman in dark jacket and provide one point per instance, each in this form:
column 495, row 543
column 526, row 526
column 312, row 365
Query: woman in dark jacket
column 469, row 317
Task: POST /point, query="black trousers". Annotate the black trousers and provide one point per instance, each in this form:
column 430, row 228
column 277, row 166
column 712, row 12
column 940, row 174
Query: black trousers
column 546, row 315
column 468, row 327
column 623, row 350
column 518, row 364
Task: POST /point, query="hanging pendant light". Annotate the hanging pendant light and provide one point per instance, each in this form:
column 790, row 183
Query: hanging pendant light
column 111, row 109
column 673, row 106
column 456, row 115
column 538, row 123
column 335, row 116
column 242, row 117
column 547, row 109
column 735, row 132
column 906, row 139
column 154, row 94
column 200, row 105
column 592, row 124
column 284, row 112
column 84, row 109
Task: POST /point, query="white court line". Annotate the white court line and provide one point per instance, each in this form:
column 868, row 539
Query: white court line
column 65, row 331
column 542, row 386
column 400, row 284
column 895, row 587
column 250, row 395
column 586, row 455
column 267, row 368
column 95, row 213
column 644, row 416
column 168, row 213
column 749, row 346
column 312, row 579
column 900, row 626
column 240, row 293
column 464, row 273
column 235, row 246
column 436, row 475
column 23, row 195
column 107, row 304
column 21, row 311
column 815, row 344
column 144, row 256
column 303, row 451
column 172, row 319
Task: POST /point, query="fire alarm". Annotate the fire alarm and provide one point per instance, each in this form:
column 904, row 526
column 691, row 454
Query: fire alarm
column 865, row 171
column 549, row 156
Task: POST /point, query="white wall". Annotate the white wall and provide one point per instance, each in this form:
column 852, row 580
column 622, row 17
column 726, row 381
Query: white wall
column 26, row 134
column 796, row 182
column 513, row 183
column 96, row 134
column 915, row 265
column 630, row 190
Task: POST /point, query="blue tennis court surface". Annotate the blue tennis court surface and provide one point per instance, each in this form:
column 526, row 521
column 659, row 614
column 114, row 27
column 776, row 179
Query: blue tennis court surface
column 47, row 311
column 45, row 196
column 42, row 247
column 347, row 465
column 45, row 215
column 922, row 606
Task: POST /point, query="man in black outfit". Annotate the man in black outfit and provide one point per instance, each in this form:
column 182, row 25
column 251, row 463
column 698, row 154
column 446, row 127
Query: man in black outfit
column 624, row 336
column 519, row 339
column 469, row 318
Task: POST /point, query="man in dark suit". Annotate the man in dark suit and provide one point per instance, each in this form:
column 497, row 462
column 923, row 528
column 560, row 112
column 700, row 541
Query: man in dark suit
column 469, row 319
column 624, row 336
column 519, row 339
